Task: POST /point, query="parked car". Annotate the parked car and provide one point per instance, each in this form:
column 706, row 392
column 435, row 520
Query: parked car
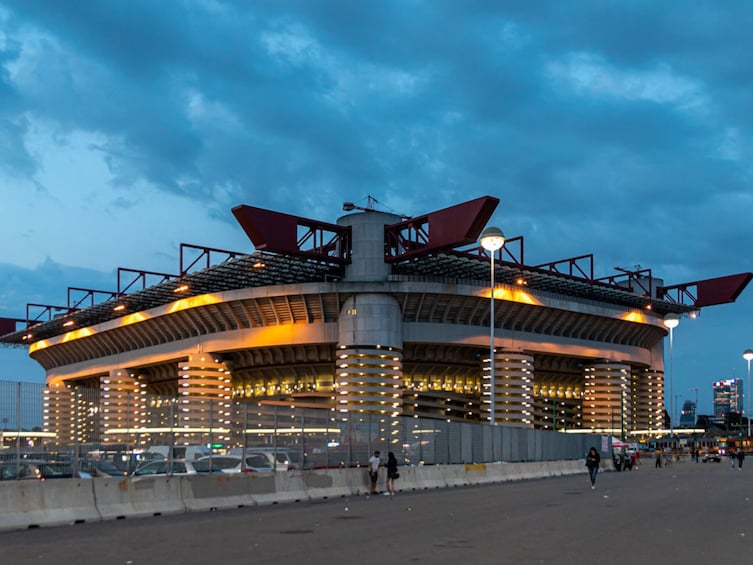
column 124, row 461
column 223, row 463
column 179, row 467
column 38, row 469
column 19, row 470
column 255, row 463
column 279, row 458
column 103, row 468
column 259, row 462
column 713, row 457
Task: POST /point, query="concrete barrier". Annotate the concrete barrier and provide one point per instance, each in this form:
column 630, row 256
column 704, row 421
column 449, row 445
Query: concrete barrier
column 421, row 478
column 58, row 502
column 262, row 488
column 219, row 491
column 455, row 475
column 117, row 498
column 289, row 486
column 25, row 504
column 328, row 483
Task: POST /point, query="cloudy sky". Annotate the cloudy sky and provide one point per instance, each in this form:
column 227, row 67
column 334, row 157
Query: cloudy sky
column 622, row 129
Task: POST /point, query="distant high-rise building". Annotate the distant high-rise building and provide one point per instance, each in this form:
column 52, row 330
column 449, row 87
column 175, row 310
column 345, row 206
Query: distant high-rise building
column 687, row 415
column 728, row 397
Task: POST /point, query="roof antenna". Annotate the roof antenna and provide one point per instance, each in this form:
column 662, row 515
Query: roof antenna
column 371, row 203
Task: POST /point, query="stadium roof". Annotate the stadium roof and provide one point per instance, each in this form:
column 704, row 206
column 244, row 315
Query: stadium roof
column 269, row 269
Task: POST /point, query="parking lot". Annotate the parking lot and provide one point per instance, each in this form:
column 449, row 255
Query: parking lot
column 690, row 512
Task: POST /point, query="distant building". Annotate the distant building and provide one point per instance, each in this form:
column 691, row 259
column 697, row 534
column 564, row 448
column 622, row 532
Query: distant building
column 687, row 415
column 728, row 397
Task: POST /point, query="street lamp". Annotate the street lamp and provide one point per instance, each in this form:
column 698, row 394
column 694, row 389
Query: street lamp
column 748, row 355
column 492, row 239
column 671, row 321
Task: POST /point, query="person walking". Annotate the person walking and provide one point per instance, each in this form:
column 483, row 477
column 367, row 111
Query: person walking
column 392, row 473
column 374, row 463
column 740, row 459
column 732, row 458
column 593, row 459
column 657, row 465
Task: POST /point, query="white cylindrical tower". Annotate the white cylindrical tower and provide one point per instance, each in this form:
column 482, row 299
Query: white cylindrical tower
column 370, row 360
column 513, row 395
column 647, row 398
column 367, row 241
column 606, row 403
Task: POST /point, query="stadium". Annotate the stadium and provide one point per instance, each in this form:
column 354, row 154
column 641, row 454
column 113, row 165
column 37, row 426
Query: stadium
column 375, row 314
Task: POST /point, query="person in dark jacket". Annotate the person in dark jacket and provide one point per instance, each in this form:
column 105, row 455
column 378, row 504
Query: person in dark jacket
column 392, row 473
column 592, row 462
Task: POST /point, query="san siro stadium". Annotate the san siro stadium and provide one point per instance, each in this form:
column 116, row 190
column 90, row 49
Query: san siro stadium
column 377, row 314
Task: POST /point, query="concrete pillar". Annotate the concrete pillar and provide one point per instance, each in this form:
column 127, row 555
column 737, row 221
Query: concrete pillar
column 204, row 391
column 606, row 403
column 123, row 406
column 513, row 384
column 370, row 360
column 58, row 414
column 647, row 395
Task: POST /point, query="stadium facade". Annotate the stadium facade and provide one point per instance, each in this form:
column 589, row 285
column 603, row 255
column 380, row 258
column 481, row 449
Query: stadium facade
column 378, row 314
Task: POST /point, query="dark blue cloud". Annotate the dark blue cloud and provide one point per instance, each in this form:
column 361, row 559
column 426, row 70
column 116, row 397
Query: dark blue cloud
column 46, row 284
column 345, row 99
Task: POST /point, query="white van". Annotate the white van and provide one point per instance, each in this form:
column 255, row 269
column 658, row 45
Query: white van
column 189, row 452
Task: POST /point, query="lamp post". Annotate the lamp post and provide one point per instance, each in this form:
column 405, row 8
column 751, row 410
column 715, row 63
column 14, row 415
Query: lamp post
column 748, row 355
column 671, row 321
column 492, row 239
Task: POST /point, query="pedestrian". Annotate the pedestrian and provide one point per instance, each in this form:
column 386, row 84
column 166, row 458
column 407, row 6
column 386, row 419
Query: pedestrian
column 592, row 462
column 657, row 451
column 374, row 464
column 392, row 473
column 740, row 459
column 732, row 458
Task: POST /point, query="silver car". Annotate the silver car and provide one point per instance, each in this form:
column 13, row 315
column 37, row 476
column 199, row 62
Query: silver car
column 175, row 467
column 255, row 463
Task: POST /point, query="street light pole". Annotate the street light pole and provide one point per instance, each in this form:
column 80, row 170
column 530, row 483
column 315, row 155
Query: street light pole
column 492, row 239
column 671, row 321
column 748, row 355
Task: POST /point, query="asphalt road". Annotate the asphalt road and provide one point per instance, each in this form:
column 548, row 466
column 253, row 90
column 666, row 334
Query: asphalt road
column 688, row 513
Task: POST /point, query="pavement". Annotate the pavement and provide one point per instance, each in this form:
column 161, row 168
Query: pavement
column 687, row 513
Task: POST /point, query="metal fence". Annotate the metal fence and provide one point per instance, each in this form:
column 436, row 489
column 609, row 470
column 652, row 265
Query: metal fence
column 20, row 407
column 314, row 437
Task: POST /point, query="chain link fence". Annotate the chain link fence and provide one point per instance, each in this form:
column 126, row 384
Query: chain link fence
column 310, row 438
